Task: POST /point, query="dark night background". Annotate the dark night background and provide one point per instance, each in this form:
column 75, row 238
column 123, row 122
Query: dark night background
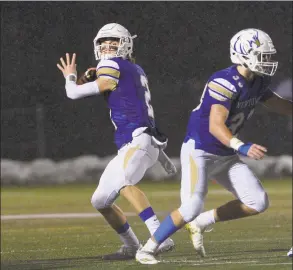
column 179, row 45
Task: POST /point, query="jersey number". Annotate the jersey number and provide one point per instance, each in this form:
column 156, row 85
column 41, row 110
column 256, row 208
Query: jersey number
column 238, row 120
column 147, row 96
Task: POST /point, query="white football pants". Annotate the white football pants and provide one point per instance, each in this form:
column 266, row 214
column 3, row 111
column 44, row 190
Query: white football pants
column 234, row 175
column 127, row 168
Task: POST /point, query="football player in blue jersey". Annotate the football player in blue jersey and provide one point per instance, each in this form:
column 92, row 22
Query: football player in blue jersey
column 210, row 149
column 140, row 144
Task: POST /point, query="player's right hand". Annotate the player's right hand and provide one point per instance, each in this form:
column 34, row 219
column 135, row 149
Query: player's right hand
column 253, row 151
column 68, row 67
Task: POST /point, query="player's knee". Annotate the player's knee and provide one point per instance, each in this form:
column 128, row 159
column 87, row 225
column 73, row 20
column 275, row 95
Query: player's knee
column 101, row 200
column 260, row 203
column 191, row 207
column 98, row 201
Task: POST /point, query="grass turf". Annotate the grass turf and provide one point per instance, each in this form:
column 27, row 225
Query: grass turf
column 259, row 242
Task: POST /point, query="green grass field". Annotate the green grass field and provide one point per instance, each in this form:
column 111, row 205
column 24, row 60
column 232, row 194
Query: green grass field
column 259, row 242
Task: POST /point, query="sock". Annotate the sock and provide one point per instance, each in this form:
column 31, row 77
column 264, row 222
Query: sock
column 205, row 219
column 166, row 229
column 150, row 219
column 127, row 235
column 150, row 246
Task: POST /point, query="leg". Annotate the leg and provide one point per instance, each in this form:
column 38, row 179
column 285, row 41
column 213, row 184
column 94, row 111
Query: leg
column 195, row 168
column 142, row 206
column 172, row 223
column 135, row 197
column 103, row 200
column 193, row 171
column 114, row 216
column 251, row 197
column 139, row 156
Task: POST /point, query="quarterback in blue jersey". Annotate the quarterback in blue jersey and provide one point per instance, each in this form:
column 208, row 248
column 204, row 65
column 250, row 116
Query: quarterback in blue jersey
column 211, row 148
column 140, row 144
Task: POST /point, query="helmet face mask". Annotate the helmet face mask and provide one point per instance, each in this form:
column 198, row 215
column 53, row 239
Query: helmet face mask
column 115, row 32
column 254, row 49
column 107, row 47
column 265, row 65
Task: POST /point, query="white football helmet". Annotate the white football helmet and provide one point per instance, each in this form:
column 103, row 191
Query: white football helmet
column 253, row 49
column 114, row 30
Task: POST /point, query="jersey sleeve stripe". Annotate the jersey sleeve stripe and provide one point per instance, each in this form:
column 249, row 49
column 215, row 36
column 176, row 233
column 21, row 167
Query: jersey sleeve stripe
column 108, row 63
column 109, row 72
column 109, row 77
column 109, row 67
column 112, row 82
column 225, row 83
column 217, row 96
column 220, row 89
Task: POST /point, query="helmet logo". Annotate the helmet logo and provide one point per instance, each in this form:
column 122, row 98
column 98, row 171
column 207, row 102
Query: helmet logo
column 255, row 40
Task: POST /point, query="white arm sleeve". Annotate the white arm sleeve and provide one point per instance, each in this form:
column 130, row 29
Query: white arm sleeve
column 74, row 91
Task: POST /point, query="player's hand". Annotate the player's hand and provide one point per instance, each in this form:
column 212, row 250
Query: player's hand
column 89, row 76
column 69, row 67
column 253, row 151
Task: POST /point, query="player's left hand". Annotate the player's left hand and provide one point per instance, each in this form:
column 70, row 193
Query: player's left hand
column 253, row 151
column 69, row 67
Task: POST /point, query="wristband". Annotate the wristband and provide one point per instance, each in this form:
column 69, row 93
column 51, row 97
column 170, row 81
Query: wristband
column 236, row 143
column 71, row 78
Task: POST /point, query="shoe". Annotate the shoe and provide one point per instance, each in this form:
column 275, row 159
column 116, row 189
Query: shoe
column 289, row 254
column 145, row 257
column 196, row 236
column 124, row 253
column 166, row 246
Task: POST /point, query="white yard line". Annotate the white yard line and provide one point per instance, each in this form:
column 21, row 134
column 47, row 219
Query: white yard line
column 220, row 191
column 202, row 263
column 251, row 263
column 58, row 215
column 268, row 264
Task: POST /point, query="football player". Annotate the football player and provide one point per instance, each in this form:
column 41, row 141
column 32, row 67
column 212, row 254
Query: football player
column 211, row 147
column 140, row 144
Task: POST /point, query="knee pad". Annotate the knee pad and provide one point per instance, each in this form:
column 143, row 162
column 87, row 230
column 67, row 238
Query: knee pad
column 101, row 200
column 260, row 203
column 191, row 207
column 263, row 203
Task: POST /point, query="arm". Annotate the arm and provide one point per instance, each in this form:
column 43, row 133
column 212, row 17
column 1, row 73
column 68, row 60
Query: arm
column 74, row 91
column 218, row 128
column 279, row 105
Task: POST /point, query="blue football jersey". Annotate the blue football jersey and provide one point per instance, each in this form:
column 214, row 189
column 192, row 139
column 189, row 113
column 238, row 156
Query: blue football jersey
column 228, row 88
column 129, row 98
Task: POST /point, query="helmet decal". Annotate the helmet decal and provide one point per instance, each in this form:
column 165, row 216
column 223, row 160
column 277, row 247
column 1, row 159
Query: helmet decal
column 255, row 40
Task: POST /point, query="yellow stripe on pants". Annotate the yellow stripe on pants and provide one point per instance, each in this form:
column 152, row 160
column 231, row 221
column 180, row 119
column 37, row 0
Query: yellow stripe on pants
column 129, row 155
column 193, row 174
